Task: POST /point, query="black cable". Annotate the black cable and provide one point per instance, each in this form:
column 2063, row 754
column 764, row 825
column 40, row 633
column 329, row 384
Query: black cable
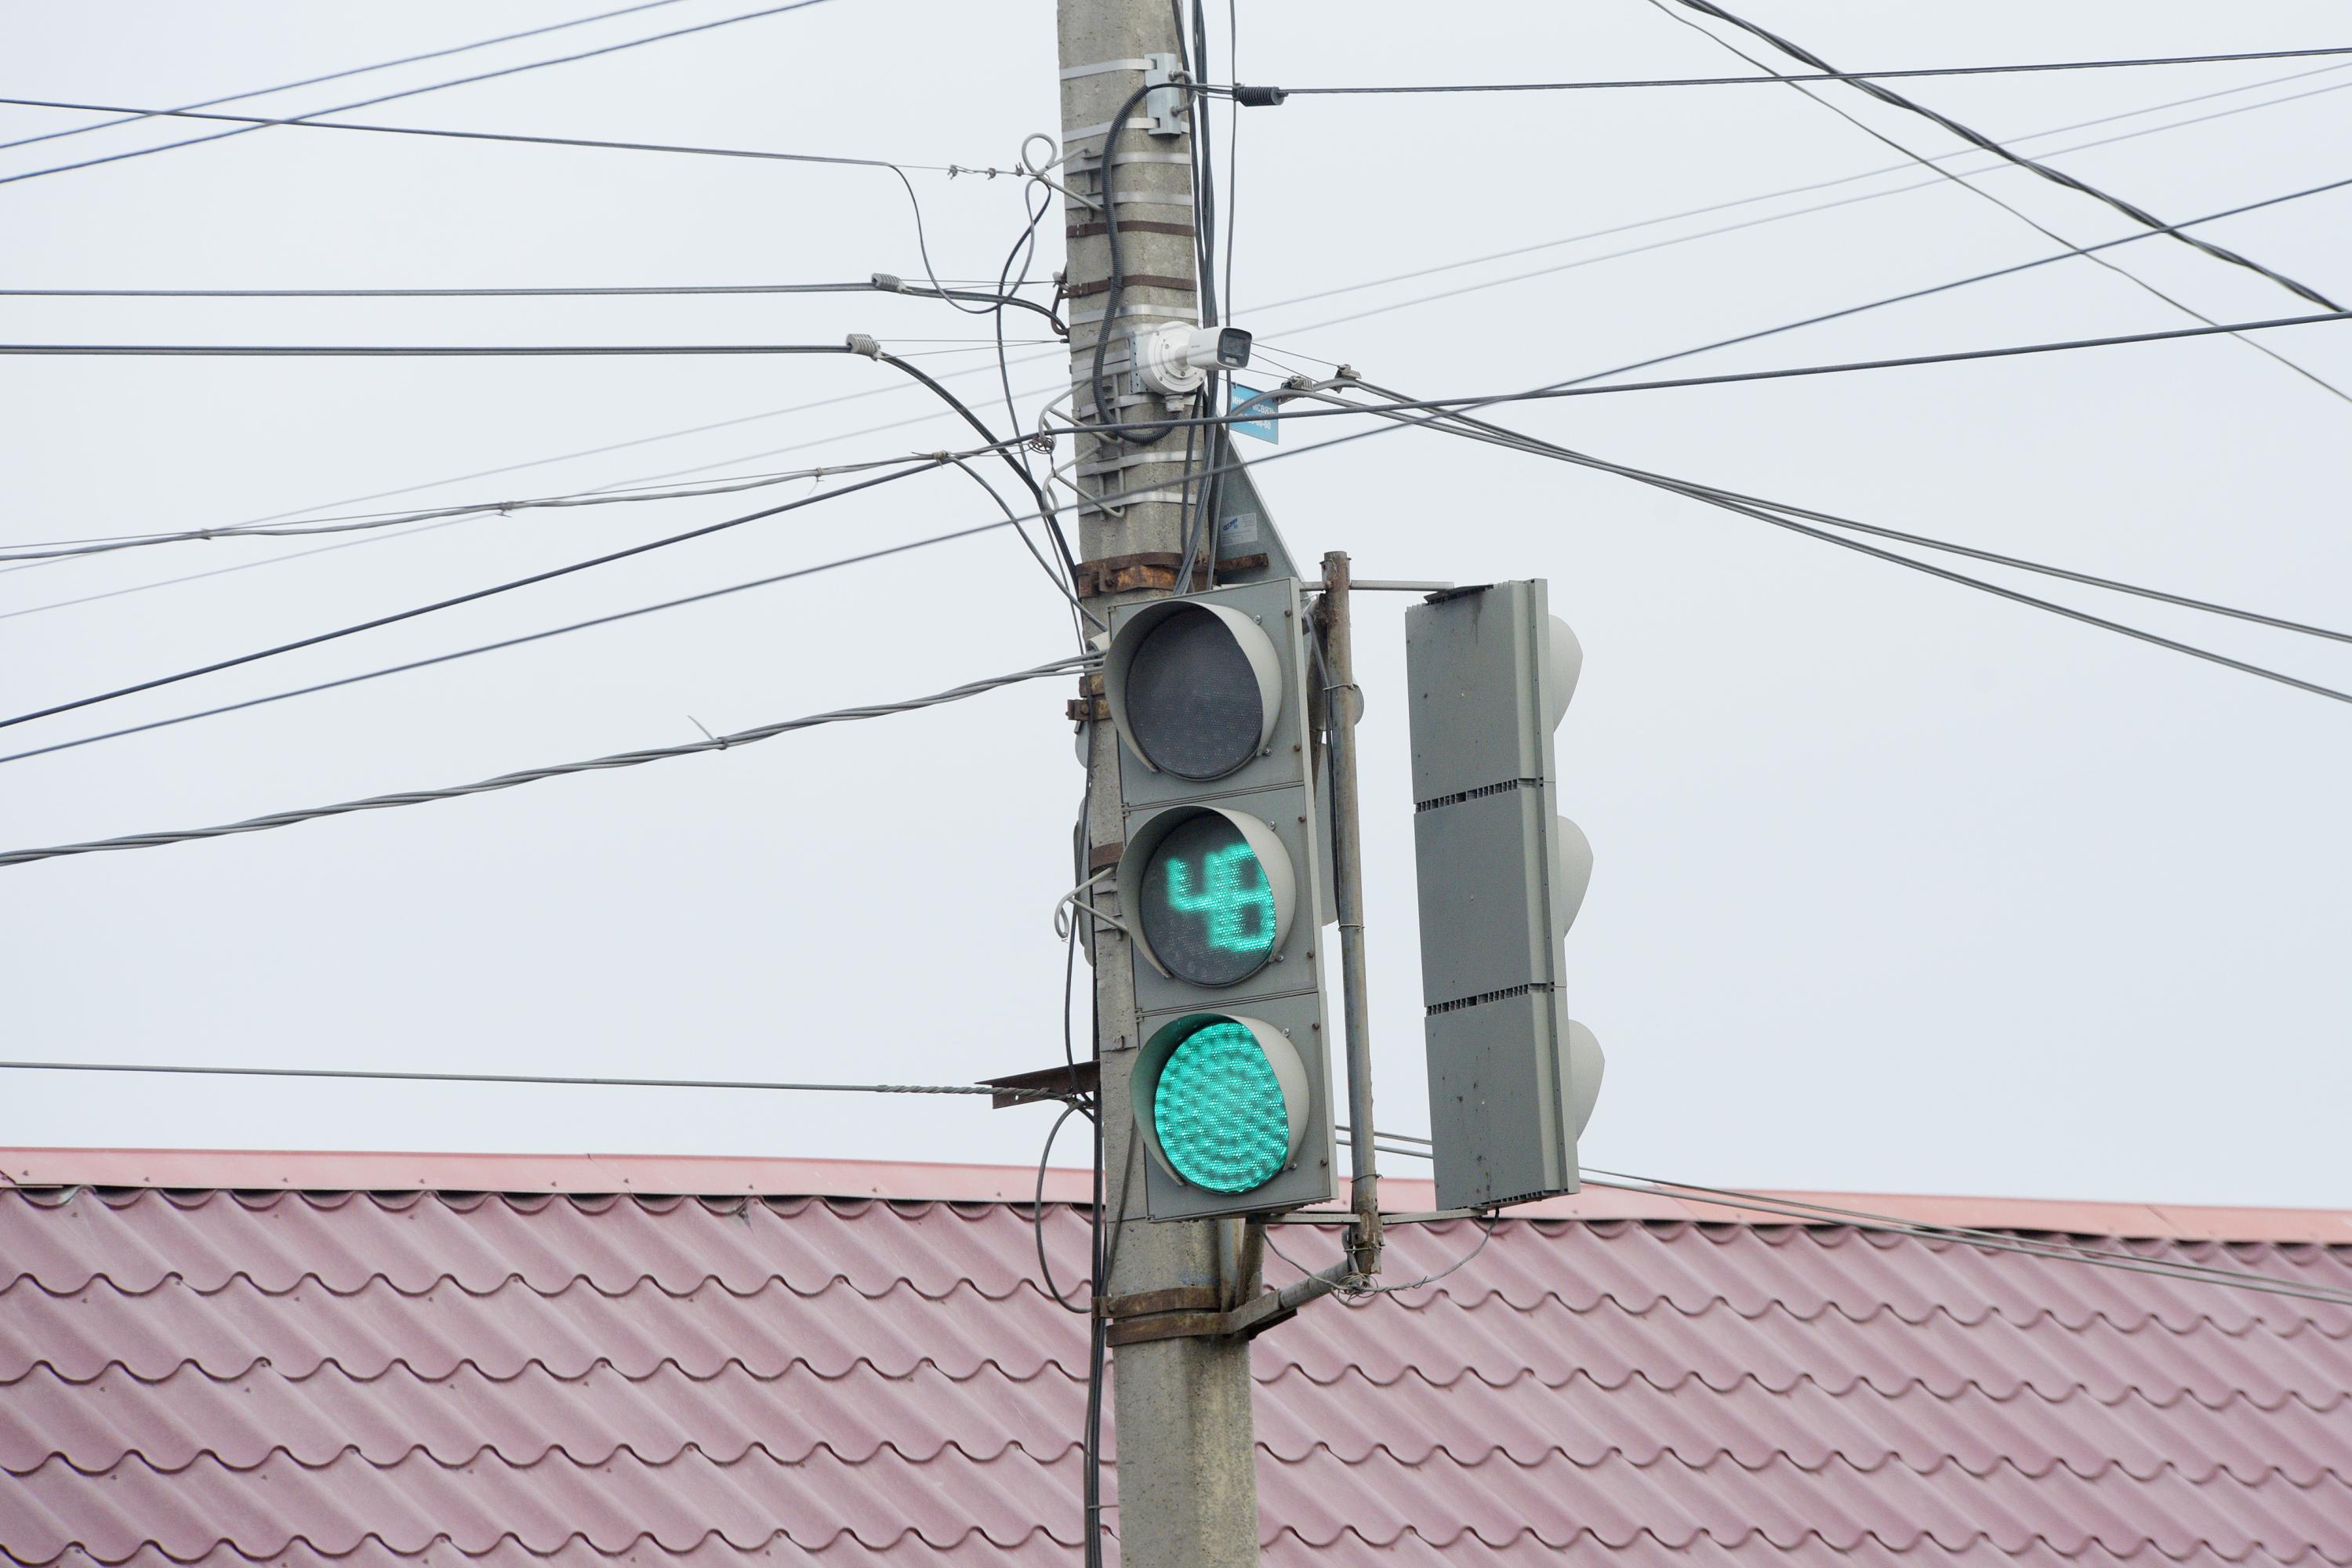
column 256, row 122
column 469, row 598
column 1437, row 407
column 1038, row 1215
column 1259, row 95
column 424, row 351
column 1077, row 606
column 587, row 291
column 354, row 70
column 1045, row 503
column 380, row 98
column 518, row 641
column 1698, row 491
column 1970, row 185
column 1978, row 139
column 1107, row 420
column 1741, row 505
column 988, row 435
column 534, row 1079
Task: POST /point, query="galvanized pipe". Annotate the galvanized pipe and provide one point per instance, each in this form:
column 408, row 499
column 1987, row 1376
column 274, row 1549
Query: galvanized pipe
column 1343, row 704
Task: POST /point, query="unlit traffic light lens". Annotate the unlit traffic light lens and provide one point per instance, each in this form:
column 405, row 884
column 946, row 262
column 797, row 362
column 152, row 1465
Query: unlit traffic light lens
column 1208, row 907
column 1219, row 1111
column 1192, row 697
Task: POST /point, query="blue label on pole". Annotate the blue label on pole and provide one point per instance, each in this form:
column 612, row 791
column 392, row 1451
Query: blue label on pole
column 1250, row 400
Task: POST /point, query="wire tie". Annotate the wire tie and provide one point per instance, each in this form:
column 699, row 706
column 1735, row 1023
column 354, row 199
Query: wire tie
column 717, row 740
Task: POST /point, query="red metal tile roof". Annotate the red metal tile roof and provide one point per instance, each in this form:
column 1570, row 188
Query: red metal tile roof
column 514, row 1359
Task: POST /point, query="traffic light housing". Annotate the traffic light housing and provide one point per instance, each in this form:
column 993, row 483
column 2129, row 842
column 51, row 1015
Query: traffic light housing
column 1220, row 889
column 1511, row 1079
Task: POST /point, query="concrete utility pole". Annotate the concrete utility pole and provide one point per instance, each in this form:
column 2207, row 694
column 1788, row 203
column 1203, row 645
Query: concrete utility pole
column 1187, row 1477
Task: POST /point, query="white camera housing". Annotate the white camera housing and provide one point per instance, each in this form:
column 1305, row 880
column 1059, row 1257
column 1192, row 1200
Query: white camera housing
column 1172, row 358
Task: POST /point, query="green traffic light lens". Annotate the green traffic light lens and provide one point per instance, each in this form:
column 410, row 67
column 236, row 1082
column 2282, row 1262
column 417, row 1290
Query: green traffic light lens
column 1219, row 1111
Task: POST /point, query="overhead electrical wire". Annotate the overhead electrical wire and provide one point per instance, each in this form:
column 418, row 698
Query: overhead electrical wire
column 533, row 775
column 596, row 291
column 473, row 595
column 503, row 643
column 55, row 549
column 418, row 351
column 1986, row 144
column 856, row 345
column 1773, row 513
column 1518, row 440
column 530, row 1080
column 1435, row 408
column 248, row 124
column 2019, row 214
column 352, row 71
column 1256, row 96
column 1318, row 294
column 1813, row 185
column 701, row 429
column 308, row 122
column 1417, row 1148
column 2089, row 251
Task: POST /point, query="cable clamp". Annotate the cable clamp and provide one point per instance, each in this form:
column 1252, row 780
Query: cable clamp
column 889, row 283
column 864, row 343
column 1100, row 67
column 1259, row 97
column 1166, row 101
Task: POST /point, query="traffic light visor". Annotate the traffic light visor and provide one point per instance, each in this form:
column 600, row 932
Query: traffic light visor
column 1194, row 689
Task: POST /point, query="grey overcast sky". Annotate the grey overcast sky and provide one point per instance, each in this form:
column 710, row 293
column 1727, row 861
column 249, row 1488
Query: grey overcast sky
column 1900, row 886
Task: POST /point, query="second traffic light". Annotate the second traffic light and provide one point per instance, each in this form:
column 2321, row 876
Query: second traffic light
column 1219, row 885
column 1512, row 1079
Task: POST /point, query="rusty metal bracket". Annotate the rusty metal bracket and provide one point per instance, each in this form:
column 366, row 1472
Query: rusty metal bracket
column 1044, row 1083
column 1188, row 1312
column 1125, row 574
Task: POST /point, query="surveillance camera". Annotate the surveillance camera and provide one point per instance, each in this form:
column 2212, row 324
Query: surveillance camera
column 1172, row 358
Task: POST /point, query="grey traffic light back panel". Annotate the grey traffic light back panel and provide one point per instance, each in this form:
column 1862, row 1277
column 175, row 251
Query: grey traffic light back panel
column 1477, row 663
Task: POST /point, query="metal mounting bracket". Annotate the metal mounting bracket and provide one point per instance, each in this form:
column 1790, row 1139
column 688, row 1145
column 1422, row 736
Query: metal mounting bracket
column 1188, row 1312
column 1165, row 102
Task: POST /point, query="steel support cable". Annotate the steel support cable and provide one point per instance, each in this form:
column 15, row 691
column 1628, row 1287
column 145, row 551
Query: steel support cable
column 352, row 71
column 1302, row 298
column 504, row 643
column 1436, row 408
column 251, row 123
column 608, row 558
column 1518, row 440
column 1906, row 295
column 533, row 775
column 1978, row 139
column 1826, row 73
column 308, row 122
column 1811, row 187
column 597, row 291
column 1974, row 1235
column 469, row 598
column 1414, row 1147
column 56, row 549
column 1758, row 511
column 532, row 1079
column 2182, row 1274
column 2019, row 214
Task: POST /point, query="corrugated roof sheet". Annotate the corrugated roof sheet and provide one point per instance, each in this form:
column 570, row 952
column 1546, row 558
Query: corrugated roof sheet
column 306, row 1377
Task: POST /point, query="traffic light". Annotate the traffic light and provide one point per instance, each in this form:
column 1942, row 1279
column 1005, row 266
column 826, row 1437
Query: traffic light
column 1511, row 1079
column 1220, row 887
